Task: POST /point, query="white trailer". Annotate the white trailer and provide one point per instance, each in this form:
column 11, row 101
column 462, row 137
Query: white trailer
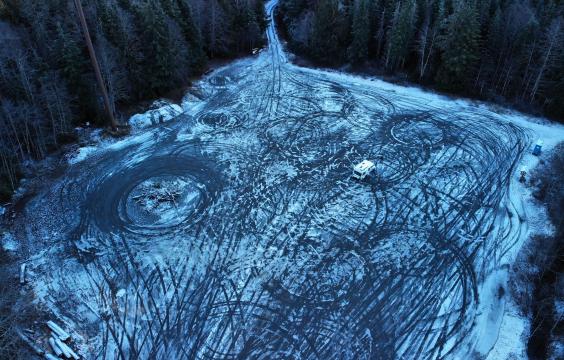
column 363, row 169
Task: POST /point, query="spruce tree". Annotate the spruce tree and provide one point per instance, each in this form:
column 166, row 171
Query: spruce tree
column 111, row 23
column 554, row 105
column 401, row 34
column 460, row 45
column 192, row 35
column 241, row 17
column 126, row 4
column 358, row 50
column 326, row 30
column 158, row 52
column 292, row 8
column 260, row 16
column 71, row 60
column 75, row 67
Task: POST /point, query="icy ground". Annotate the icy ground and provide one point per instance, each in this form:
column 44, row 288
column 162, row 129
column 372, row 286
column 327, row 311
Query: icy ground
column 235, row 230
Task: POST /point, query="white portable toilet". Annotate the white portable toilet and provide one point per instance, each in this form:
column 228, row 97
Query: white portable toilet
column 363, row 169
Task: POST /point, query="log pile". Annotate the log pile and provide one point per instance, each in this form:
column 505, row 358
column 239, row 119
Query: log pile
column 58, row 343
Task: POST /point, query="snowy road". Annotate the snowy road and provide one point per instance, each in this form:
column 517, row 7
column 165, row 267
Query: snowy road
column 260, row 245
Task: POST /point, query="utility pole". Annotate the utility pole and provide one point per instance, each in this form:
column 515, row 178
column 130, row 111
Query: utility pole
column 95, row 64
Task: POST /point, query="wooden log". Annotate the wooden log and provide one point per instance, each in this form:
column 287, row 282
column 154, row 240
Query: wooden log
column 64, row 348
column 74, row 355
column 69, row 353
column 67, row 350
column 54, row 346
column 61, row 334
column 39, row 351
column 22, row 273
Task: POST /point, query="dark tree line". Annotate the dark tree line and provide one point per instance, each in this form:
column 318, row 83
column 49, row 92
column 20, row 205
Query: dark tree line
column 503, row 50
column 537, row 277
column 145, row 48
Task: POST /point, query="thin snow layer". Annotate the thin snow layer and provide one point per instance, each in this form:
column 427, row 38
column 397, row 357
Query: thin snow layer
column 101, row 146
column 82, row 153
column 511, row 336
column 163, row 112
column 9, row 243
column 236, row 231
column 500, row 331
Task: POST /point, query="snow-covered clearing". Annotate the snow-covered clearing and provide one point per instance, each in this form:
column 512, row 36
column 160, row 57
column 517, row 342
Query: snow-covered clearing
column 235, row 231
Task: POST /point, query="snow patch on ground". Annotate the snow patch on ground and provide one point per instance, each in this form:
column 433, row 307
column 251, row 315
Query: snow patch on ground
column 163, row 112
column 82, row 154
column 500, row 331
column 490, row 311
column 101, row 145
column 9, row 242
column 192, row 104
column 512, row 335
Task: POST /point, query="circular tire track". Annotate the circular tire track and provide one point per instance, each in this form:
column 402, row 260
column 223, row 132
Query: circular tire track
column 112, row 205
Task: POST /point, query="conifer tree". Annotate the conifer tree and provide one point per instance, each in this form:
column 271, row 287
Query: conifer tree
column 241, row 19
column 358, row 50
column 192, row 35
column 325, row 34
column 460, row 44
column 428, row 34
column 292, row 8
column 401, row 33
column 111, row 23
column 75, row 68
column 260, row 15
column 126, row 4
column 158, row 53
column 71, row 60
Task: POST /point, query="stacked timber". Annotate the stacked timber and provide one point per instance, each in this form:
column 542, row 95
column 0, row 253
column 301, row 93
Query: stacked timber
column 57, row 341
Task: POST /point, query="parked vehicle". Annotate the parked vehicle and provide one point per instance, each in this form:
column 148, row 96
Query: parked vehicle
column 363, row 169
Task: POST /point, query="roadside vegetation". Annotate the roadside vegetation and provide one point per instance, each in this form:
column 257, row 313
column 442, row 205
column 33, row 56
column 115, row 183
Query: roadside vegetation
column 538, row 274
column 146, row 49
column 508, row 51
column 11, row 345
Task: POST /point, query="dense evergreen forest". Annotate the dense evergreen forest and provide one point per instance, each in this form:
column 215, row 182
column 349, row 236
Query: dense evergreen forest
column 145, row 49
column 510, row 51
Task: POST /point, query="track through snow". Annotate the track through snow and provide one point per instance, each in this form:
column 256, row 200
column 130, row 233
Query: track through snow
column 259, row 245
